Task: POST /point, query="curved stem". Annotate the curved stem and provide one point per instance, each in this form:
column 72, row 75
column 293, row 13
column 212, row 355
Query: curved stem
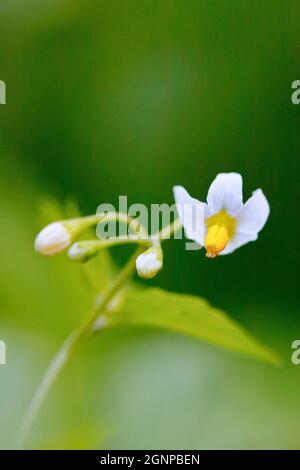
column 121, row 217
column 72, row 342
column 84, row 250
column 166, row 232
column 67, row 349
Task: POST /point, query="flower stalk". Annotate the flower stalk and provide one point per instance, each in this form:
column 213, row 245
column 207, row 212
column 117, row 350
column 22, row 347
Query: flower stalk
column 86, row 327
column 84, row 250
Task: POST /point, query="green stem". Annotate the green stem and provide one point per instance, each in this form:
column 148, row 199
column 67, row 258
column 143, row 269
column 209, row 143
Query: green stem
column 72, row 342
column 169, row 230
column 90, row 220
column 84, row 250
column 67, row 349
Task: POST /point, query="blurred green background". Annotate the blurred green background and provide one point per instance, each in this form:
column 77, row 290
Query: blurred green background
column 106, row 98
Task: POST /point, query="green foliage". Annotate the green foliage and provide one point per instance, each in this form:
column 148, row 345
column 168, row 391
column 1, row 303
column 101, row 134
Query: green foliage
column 191, row 316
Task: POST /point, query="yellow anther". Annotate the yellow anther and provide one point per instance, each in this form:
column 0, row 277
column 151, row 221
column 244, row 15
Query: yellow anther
column 216, row 239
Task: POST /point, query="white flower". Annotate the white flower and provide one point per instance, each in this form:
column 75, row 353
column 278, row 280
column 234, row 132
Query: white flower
column 226, row 223
column 53, row 239
column 149, row 263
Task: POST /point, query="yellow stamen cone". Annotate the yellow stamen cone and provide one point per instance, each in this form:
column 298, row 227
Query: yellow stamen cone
column 216, row 240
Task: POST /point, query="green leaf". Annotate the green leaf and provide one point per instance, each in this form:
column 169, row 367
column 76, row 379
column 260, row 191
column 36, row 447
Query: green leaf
column 192, row 316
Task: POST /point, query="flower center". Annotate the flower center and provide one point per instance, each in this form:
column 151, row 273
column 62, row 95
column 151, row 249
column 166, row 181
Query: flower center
column 220, row 228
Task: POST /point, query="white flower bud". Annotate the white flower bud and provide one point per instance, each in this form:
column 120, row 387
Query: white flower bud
column 149, row 263
column 77, row 253
column 84, row 250
column 53, row 239
column 58, row 236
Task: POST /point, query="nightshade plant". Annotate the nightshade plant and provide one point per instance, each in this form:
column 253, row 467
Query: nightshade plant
column 226, row 224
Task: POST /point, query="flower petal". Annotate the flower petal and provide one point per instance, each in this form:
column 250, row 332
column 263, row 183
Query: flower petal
column 191, row 214
column 225, row 192
column 239, row 239
column 254, row 214
column 250, row 220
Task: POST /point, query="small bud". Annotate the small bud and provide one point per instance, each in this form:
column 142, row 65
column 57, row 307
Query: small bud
column 149, row 263
column 84, row 250
column 58, row 236
column 53, row 239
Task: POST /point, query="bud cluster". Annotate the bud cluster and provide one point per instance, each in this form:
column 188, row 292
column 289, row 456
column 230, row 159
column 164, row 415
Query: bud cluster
column 60, row 236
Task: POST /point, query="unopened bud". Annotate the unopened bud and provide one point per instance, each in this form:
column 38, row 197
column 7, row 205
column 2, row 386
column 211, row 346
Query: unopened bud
column 149, row 263
column 58, row 236
column 53, row 239
column 84, row 250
